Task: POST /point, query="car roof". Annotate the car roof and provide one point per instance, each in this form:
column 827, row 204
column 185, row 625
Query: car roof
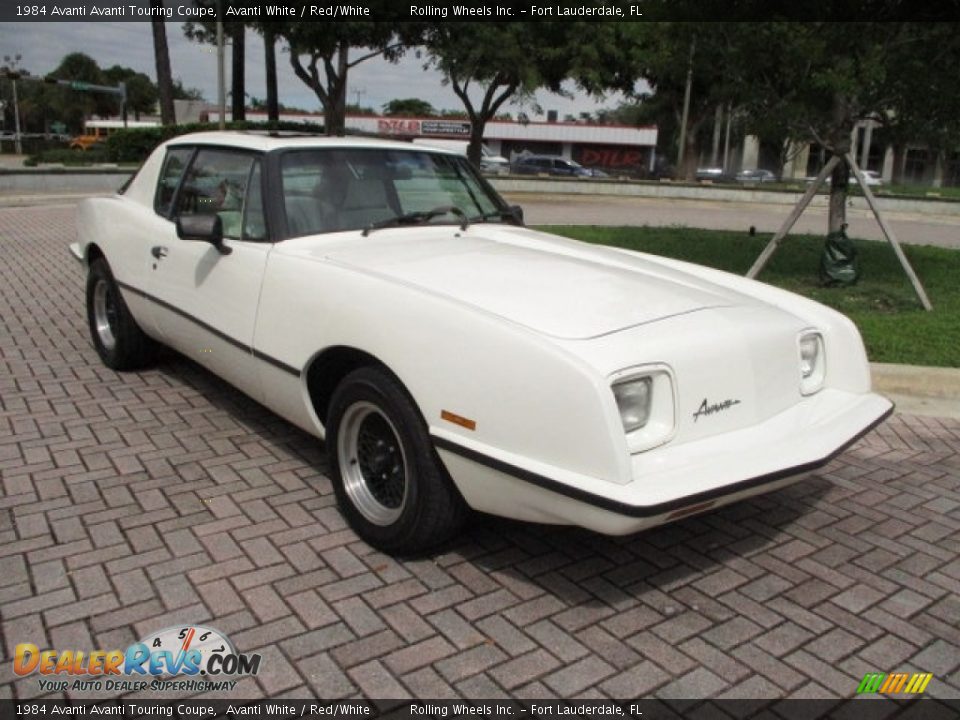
column 267, row 141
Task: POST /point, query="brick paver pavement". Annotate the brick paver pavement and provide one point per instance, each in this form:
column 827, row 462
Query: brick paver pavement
column 134, row 502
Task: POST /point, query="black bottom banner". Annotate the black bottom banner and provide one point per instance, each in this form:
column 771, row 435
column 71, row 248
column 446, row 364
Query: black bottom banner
column 850, row 709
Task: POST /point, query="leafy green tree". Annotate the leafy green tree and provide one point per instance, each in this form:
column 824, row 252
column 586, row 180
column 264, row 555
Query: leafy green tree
column 926, row 111
column 488, row 64
column 73, row 107
column 666, row 54
column 355, row 109
column 142, row 94
column 322, row 54
column 409, row 107
column 825, row 77
column 180, row 92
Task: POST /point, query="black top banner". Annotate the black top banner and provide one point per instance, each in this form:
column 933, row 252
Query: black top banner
column 261, row 11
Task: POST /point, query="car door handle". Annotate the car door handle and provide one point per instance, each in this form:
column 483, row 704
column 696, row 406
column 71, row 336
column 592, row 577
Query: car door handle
column 158, row 251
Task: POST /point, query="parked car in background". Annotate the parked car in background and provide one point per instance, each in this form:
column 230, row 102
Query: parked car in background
column 871, row 177
column 384, row 298
column 757, row 175
column 549, row 165
column 713, row 174
column 489, row 163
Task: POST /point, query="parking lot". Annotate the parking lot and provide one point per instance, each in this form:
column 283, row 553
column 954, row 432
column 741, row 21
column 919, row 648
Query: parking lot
column 131, row 503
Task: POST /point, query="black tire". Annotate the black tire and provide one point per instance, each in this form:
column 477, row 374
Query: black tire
column 369, row 407
column 117, row 338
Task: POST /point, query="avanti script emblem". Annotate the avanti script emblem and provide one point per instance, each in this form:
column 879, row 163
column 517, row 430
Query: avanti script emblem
column 709, row 409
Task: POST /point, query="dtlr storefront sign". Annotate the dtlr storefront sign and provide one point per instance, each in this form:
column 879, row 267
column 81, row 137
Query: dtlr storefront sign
column 414, row 126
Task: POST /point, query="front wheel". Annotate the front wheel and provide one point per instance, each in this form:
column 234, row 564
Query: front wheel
column 117, row 338
column 389, row 482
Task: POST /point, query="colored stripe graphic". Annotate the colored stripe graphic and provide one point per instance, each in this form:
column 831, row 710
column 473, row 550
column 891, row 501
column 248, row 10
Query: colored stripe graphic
column 893, row 683
column 871, row 683
column 918, row 683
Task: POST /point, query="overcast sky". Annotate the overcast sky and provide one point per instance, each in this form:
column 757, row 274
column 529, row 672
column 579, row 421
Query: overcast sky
column 372, row 83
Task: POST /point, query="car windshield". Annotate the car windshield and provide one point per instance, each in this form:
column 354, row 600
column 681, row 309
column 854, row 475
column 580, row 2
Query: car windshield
column 333, row 190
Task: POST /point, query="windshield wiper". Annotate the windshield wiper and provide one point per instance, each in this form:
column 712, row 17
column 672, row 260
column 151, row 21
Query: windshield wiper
column 421, row 216
column 500, row 214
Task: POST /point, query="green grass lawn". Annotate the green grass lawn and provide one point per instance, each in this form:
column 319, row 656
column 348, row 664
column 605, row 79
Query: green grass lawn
column 894, row 326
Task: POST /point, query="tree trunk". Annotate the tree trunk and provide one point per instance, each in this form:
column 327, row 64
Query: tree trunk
column 336, row 115
column 162, row 56
column 691, row 157
column 840, row 141
column 270, row 60
column 475, row 148
column 899, row 156
column 839, row 184
column 237, row 79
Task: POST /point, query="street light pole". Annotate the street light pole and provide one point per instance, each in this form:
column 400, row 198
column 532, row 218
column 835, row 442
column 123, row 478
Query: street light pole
column 686, row 106
column 17, row 145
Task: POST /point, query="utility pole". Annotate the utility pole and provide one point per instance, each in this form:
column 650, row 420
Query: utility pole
column 221, row 82
column 717, row 125
column 686, row 106
column 726, row 141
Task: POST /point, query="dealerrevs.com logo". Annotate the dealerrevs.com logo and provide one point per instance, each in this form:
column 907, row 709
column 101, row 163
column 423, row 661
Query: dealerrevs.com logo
column 205, row 656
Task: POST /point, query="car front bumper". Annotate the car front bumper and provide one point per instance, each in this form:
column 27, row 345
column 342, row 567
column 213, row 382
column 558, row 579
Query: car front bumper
column 670, row 482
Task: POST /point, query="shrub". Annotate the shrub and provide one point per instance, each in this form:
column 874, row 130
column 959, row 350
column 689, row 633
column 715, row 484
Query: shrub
column 69, row 156
column 33, row 145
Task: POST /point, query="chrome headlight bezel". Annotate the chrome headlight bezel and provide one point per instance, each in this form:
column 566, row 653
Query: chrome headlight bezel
column 812, row 361
column 661, row 415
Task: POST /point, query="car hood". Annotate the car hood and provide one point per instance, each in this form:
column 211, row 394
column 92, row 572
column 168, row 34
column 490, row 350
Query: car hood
column 555, row 286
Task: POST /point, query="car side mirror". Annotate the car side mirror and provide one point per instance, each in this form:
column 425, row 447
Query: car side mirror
column 516, row 214
column 206, row 228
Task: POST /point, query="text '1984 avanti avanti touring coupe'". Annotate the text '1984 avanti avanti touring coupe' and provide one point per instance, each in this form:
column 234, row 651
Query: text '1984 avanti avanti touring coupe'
column 382, row 296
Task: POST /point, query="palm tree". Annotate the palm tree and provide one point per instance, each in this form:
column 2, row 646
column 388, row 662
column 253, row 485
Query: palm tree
column 270, row 49
column 162, row 56
column 238, row 58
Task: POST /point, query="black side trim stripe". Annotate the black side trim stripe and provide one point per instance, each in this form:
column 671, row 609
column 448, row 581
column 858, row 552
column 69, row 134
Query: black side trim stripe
column 643, row 511
column 212, row 330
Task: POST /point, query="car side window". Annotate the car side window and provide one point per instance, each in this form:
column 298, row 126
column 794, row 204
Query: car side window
column 216, row 184
column 173, row 166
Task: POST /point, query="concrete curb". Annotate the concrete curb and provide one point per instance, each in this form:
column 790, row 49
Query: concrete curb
column 918, row 390
column 932, row 382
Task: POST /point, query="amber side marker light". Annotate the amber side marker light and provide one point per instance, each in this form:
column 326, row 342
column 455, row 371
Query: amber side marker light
column 458, row 420
column 692, row 510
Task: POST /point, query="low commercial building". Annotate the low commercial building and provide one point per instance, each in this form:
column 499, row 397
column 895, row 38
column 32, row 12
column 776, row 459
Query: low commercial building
column 617, row 149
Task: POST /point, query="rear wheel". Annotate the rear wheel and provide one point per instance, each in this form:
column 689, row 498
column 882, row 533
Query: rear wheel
column 117, row 338
column 389, row 482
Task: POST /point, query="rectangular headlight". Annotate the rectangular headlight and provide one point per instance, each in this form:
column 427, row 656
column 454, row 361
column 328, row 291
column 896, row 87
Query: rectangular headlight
column 812, row 362
column 633, row 401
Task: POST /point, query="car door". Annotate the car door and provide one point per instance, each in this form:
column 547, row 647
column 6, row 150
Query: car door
column 206, row 296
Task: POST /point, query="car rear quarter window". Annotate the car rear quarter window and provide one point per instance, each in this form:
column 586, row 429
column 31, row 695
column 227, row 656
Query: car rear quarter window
column 217, row 183
column 173, row 166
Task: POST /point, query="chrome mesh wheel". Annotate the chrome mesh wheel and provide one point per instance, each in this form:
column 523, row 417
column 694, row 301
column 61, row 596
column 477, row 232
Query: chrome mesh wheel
column 372, row 463
column 105, row 313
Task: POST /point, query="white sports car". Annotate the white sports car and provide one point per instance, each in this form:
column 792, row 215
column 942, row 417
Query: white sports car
column 382, row 296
